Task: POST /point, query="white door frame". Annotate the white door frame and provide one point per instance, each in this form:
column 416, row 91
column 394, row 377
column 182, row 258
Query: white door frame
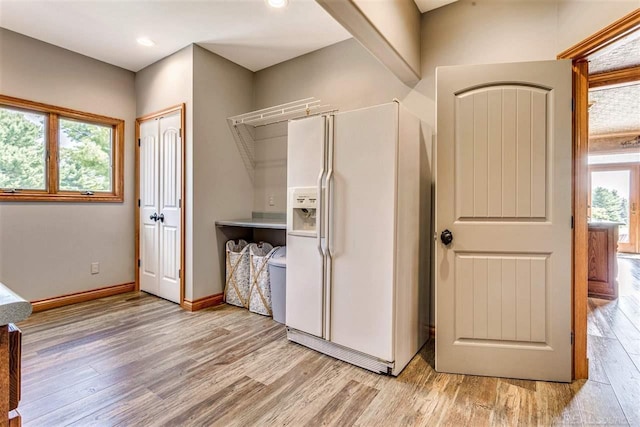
column 139, row 120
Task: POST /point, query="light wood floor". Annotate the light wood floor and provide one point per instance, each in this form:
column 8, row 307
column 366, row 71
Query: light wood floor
column 138, row 360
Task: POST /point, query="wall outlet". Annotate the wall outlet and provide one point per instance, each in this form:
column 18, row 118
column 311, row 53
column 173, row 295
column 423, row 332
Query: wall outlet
column 95, row 267
column 272, row 201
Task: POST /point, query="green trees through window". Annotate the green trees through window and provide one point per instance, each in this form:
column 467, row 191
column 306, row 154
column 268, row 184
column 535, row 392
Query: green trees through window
column 85, row 156
column 55, row 153
column 608, row 205
column 22, row 150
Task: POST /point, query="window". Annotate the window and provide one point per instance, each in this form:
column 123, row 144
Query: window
column 53, row 153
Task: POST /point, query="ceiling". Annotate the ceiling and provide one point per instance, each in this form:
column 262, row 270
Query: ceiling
column 614, row 110
column 247, row 32
column 623, row 55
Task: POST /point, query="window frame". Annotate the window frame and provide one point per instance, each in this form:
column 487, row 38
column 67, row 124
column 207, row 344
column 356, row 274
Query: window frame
column 52, row 191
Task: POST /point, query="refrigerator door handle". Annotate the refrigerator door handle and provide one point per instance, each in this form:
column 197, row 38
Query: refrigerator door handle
column 328, row 229
column 319, row 215
column 329, row 187
column 319, row 211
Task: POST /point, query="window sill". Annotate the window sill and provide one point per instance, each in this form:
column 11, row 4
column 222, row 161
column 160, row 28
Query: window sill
column 77, row 198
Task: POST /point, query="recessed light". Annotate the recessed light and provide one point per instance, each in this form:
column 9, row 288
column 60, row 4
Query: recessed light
column 145, row 41
column 278, row 4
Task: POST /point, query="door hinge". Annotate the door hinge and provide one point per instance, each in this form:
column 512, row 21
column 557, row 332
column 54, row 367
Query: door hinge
column 179, row 274
column 572, row 222
column 138, row 202
column 573, row 104
column 179, row 203
column 139, row 263
column 572, row 338
column 138, row 142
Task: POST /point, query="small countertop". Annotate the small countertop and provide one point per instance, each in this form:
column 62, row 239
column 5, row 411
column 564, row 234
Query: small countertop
column 605, row 223
column 275, row 224
column 13, row 309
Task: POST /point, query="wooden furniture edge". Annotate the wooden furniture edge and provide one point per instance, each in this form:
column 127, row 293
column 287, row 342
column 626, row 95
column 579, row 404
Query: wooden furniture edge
column 4, row 374
column 15, row 366
column 60, row 301
column 202, row 303
column 15, row 419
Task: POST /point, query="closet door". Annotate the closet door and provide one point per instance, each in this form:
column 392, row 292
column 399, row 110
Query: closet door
column 170, row 206
column 149, row 206
column 160, row 157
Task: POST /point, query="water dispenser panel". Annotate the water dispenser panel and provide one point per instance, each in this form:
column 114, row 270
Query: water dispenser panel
column 303, row 205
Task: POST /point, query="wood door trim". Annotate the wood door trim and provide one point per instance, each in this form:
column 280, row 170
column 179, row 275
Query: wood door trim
column 579, row 54
column 74, row 298
column 201, row 303
column 581, row 226
column 617, row 77
column 182, row 109
column 603, row 38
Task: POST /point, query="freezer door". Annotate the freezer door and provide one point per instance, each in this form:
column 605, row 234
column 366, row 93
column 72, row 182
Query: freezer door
column 305, row 260
column 362, row 193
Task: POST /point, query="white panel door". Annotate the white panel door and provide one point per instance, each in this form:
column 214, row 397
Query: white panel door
column 170, row 178
column 160, row 206
column 305, row 260
column 361, row 234
column 503, row 188
column 149, row 206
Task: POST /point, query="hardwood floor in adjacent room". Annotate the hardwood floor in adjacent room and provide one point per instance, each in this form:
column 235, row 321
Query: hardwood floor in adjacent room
column 137, row 360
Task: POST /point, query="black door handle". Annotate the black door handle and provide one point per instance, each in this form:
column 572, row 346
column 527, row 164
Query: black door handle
column 154, row 217
column 161, row 217
column 446, row 237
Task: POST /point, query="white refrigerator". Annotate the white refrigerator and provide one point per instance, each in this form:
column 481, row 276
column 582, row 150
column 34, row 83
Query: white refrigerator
column 353, row 288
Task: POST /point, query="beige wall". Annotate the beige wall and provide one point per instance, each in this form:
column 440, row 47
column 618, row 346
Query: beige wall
column 222, row 188
column 399, row 22
column 217, row 185
column 270, row 184
column 46, row 248
column 494, row 31
column 466, row 32
column 164, row 84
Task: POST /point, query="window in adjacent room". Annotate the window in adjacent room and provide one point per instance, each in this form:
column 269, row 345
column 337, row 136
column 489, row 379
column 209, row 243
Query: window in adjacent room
column 53, row 153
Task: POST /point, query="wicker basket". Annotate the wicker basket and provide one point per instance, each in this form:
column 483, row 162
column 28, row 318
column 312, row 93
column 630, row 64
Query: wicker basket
column 260, row 289
column 236, row 289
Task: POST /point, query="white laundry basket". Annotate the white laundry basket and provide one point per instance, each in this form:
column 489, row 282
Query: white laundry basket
column 278, row 284
column 260, row 288
column 236, row 289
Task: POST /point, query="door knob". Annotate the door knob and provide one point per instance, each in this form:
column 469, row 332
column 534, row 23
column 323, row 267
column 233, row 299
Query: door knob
column 446, row 237
column 154, row 217
column 161, row 217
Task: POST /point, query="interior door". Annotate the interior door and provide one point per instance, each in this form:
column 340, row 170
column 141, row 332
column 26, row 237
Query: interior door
column 170, row 178
column 361, row 234
column 613, row 197
column 149, row 206
column 503, row 189
column 160, row 206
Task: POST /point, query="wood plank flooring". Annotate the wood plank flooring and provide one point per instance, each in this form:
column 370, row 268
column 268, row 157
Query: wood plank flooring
column 136, row 360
